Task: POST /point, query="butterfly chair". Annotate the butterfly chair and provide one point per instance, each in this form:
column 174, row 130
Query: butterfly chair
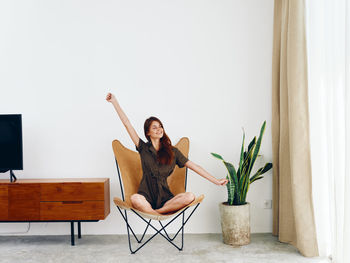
column 130, row 175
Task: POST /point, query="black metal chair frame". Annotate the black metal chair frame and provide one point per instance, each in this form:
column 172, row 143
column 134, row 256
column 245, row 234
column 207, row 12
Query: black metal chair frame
column 158, row 231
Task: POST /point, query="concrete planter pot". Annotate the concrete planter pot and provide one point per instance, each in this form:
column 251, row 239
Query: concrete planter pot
column 235, row 224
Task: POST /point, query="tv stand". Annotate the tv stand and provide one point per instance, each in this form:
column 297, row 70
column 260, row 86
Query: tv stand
column 55, row 200
column 12, row 177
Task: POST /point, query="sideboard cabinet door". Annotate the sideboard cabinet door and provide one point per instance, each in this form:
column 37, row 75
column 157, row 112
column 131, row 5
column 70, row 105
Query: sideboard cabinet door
column 4, row 203
column 24, row 202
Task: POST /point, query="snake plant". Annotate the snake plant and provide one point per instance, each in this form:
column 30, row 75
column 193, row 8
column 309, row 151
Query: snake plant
column 240, row 179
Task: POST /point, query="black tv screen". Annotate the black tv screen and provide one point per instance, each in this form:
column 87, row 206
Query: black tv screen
column 11, row 153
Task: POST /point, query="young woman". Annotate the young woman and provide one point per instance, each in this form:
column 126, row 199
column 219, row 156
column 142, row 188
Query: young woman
column 158, row 159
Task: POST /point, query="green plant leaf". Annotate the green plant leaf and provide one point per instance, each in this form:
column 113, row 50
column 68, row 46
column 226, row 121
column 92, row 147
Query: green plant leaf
column 217, row 156
column 248, row 156
column 251, row 144
column 261, row 171
column 258, row 173
column 267, row 167
column 239, row 182
column 241, row 158
column 257, row 148
column 251, row 164
column 244, row 175
column 255, row 179
column 245, row 190
column 230, row 190
column 232, row 171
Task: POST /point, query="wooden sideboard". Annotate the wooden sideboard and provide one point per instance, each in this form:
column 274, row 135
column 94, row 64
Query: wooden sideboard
column 50, row 200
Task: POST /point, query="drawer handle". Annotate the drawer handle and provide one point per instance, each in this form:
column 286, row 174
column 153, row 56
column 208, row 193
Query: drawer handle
column 72, row 202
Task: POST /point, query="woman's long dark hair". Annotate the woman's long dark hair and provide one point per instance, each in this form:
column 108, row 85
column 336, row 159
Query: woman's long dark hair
column 165, row 154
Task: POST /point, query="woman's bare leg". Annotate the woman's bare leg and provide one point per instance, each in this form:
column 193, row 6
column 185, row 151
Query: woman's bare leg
column 140, row 203
column 177, row 202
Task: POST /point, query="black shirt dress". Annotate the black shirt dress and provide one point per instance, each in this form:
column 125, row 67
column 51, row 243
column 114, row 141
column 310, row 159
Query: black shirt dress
column 154, row 186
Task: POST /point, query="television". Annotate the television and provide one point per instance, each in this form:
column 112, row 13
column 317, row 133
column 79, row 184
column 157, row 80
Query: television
column 11, row 148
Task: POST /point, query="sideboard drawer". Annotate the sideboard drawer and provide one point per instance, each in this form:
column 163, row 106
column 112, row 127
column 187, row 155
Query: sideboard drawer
column 72, row 192
column 72, row 210
column 23, row 192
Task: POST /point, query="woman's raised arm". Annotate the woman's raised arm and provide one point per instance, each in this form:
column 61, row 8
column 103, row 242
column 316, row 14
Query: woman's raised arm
column 132, row 133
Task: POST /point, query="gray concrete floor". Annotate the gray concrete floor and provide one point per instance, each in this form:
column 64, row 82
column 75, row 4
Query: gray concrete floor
column 114, row 248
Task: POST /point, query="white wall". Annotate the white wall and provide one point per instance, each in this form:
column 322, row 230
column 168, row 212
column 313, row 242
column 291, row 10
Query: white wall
column 202, row 67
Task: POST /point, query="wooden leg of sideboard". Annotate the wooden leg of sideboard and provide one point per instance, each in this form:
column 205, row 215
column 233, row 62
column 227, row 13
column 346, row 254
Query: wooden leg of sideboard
column 79, row 229
column 72, row 233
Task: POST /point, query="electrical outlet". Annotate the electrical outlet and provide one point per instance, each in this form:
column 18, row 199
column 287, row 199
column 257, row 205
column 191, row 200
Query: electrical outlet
column 267, row 204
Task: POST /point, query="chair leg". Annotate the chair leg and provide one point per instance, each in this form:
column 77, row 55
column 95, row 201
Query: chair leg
column 163, row 228
column 149, row 222
column 182, row 224
column 158, row 231
column 183, row 230
column 138, row 241
column 129, row 227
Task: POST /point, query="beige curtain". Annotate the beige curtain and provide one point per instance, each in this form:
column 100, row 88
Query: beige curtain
column 293, row 216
